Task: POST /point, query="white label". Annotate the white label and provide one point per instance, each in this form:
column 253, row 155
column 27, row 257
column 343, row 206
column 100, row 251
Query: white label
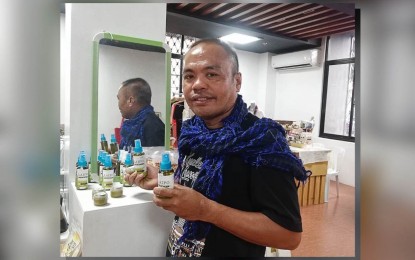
column 82, row 174
column 107, row 176
column 166, row 181
column 138, row 159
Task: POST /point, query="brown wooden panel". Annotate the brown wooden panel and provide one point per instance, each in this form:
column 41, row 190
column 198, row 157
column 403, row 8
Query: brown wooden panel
column 316, row 24
column 312, row 183
column 312, row 192
column 329, row 32
column 322, row 190
column 316, row 191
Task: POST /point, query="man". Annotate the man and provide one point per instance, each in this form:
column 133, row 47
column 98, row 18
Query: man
column 235, row 192
column 134, row 99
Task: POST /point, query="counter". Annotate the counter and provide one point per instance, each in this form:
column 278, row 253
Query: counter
column 315, row 160
column 128, row 226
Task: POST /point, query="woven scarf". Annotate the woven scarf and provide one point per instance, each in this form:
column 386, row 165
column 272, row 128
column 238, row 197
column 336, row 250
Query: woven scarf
column 132, row 129
column 262, row 145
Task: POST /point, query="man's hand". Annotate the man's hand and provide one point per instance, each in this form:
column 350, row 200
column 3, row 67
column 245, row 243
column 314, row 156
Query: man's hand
column 183, row 201
column 145, row 181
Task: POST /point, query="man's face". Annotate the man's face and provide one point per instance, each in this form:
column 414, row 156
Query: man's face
column 210, row 87
column 123, row 102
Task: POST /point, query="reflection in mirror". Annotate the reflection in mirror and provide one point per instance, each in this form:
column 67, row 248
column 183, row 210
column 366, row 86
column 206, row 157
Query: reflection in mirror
column 120, row 58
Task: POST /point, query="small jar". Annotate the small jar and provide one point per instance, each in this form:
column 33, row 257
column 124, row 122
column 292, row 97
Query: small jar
column 116, row 190
column 97, row 188
column 100, row 198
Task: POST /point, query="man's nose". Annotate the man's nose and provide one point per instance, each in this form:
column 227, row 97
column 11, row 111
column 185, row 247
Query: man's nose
column 199, row 83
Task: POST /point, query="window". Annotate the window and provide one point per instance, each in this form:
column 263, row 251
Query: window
column 338, row 101
column 179, row 45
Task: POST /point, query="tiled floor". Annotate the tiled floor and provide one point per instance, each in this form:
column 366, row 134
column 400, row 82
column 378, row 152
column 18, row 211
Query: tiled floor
column 329, row 228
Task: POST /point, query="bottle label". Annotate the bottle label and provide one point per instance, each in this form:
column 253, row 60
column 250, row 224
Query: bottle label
column 107, row 176
column 166, row 181
column 82, row 174
column 138, row 160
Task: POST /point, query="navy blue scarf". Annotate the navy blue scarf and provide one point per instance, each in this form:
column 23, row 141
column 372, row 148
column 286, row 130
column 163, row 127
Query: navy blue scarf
column 132, row 129
column 262, row 145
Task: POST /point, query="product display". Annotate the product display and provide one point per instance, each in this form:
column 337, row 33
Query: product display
column 139, row 157
column 127, row 163
column 166, row 173
column 107, row 177
column 81, row 176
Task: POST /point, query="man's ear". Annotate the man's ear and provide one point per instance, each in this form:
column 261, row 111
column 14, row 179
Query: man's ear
column 130, row 101
column 238, row 79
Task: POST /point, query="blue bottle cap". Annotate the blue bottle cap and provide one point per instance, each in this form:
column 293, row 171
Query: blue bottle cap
column 108, row 162
column 103, row 137
column 128, row 160
column 137, row 147
column 113, row 140
column 82, row 161
column 165, row 164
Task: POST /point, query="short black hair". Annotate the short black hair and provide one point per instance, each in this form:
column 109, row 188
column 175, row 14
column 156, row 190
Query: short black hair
column 140, row 89
column 228, row 49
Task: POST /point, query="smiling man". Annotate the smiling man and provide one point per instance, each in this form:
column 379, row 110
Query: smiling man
column 235, row 192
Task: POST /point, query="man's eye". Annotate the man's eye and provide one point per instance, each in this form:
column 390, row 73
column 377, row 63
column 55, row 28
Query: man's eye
column 211, row 75
column 188, row 77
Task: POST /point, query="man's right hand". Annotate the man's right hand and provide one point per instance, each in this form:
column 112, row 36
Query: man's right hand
column 145, row 181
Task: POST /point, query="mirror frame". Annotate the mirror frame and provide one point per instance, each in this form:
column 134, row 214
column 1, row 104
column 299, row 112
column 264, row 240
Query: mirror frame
column 125, row 41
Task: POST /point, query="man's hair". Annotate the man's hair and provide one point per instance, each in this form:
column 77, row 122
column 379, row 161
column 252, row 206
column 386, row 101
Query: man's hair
column 140, row 89
column 228, row 49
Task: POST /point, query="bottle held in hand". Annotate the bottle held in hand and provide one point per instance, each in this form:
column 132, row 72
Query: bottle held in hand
column 166, row 173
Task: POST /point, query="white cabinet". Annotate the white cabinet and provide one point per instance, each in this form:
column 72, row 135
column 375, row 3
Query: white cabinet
column 128, row 226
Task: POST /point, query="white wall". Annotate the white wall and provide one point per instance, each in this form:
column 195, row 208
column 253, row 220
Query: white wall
column 83, row 21
column 255, row 77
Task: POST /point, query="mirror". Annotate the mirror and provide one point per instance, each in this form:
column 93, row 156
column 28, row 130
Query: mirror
column 117, row 58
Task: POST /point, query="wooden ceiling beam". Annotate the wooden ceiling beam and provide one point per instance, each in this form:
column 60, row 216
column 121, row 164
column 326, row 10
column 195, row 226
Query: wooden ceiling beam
column 315, row 22
column 263, row 10
column 326, row 26
column 324, row 33
column 281, row 16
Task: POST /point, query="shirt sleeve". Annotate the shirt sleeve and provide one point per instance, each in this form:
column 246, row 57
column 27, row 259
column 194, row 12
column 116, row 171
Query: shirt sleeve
column 274, row 193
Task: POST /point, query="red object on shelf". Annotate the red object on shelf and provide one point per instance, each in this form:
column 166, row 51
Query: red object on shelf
column 117, row 131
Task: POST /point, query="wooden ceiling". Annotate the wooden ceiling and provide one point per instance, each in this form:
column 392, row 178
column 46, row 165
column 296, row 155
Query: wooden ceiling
column 301, row 22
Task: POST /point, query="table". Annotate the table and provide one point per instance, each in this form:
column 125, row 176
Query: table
column 315, row 160
column 128, row 226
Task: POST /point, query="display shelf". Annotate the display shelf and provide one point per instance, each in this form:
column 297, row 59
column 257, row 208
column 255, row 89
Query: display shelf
column 128, row 226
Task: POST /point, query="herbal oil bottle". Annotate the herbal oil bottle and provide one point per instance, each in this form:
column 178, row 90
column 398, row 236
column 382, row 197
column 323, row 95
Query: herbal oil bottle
column 166, row 173
column 117, row 168
column 127, row 163
column 104, row 144
column 113, row 144
column 107, row 173
column 139, row 157
column 81, row 178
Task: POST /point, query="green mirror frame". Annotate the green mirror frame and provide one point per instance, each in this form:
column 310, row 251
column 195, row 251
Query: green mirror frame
column 133, row 43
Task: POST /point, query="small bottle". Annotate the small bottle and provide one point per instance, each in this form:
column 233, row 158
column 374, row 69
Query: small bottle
column 117, row 168
column 81, row 178
column 113, row 144
column 99, row 163
column 139, row 157
column 96, row 188
column 116, row 190
column 104, row 144
column 100, row 198
column 127, row 163
column 166, row 173
column 107, row 173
